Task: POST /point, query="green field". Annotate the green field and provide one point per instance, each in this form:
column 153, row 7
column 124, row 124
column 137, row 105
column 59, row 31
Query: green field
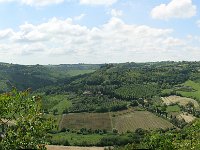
column 78, row 139
column 59, row 102
column 195, row 94
column 174, row 108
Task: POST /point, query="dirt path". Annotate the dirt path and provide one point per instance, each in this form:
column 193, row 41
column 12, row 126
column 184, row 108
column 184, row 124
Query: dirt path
column 54, row 147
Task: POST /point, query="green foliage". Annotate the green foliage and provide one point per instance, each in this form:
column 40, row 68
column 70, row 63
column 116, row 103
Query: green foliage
column 114, row 140
column 173, row 108
column 76, row 139
column 79, row 72
column 38, row 76
column 56, row 101
column 22, row 120
column 97, row 103
column 110, row 88
column 136, row 91
column 194, row 93
column 160, row 141
column 185, row 139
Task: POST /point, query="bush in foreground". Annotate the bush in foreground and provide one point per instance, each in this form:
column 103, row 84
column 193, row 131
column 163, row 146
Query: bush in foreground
column 23, row 125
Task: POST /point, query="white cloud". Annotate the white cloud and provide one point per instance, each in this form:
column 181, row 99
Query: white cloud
column 7, row 33
column 35, row 2
column 175, row 9
column 98, row 2
column 3, row 1
column 198, row 23
column 80, row 17
column 40, row 2
column 63, row 41
column 116, row 13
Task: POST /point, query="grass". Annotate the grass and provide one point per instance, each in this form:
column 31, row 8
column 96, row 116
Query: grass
column 195, row 94
column 62, row 105
column 59, row 102
column 166, row 91
column 78, row 139
column 174, row 108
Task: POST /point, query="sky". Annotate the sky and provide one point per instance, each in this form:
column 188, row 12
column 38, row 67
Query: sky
column 99, row 31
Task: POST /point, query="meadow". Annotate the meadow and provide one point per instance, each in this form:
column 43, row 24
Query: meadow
column 193, row 94
column 78, row 139
column 57, row 102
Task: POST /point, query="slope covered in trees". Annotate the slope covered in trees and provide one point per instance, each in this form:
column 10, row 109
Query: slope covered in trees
column 37, row 76
column 126, row 82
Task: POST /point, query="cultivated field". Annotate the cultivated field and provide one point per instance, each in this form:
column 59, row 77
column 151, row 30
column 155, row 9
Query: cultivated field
column 86, row 120
column 180, row 100
column 139, row 119
column 187, row 117
column 122, row 121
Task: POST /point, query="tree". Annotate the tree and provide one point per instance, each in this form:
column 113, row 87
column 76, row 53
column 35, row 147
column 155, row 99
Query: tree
column 160, row 141
column 55, row 111
column 22, row 115
column 190, row 106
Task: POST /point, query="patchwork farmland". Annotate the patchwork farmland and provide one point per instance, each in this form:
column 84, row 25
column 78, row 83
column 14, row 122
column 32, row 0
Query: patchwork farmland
column 122, row 121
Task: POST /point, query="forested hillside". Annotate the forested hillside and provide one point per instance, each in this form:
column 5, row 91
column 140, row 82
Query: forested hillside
column 127, row 82
column 37, row 76
column 114, row 76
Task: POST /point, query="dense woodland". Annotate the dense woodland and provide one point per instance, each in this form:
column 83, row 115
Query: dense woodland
column 124, row 83
column 104, row 88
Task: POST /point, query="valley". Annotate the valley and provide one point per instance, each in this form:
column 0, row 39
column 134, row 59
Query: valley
column 113, row 104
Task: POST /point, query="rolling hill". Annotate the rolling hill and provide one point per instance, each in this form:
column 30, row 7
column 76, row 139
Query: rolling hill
column 37, row 76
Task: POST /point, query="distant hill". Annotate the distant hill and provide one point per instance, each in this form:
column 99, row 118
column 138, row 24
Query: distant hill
column 37, row 76
column 127, row 80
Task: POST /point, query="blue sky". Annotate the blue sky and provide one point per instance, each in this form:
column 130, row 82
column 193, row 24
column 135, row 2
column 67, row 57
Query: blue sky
column 99, row 31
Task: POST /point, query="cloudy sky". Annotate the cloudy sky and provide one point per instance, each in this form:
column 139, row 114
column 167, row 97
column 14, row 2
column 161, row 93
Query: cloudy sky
column 98, row 31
